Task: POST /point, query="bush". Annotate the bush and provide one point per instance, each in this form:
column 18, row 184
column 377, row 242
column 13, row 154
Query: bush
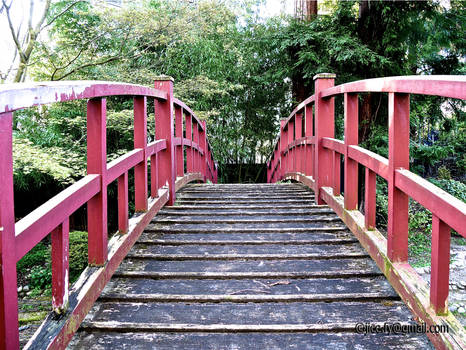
column 78, row 254
column 41, row 277
column 37, row 256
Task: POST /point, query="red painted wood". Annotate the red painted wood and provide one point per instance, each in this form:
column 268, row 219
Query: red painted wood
column 196, row 157
column 336, row 173
column 369, row 199
column 398, row 157
column 371, row 160
column 351, row 138
column 155, row 147
column 123, row 218
column 298, row 135
column 203, row 146
column 9, row 336
column 154, row 184
column 334, row 145
column 324, row 127
column 164, row 130
column 20, row 96
column 97, row 164
column 309, row 126
column 31, row 229
column 187, row 110
column 442, row 204
column 440, row 266
column 291, row 154
column 124, row 163
column 60, row 267
column 283, row 142
column 140, row 141
column 179, row 134
column 189, row 150
column 437, row 85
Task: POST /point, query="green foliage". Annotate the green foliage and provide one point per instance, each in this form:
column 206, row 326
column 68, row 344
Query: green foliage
column 36, row 256
column 41, row 277
column 454, row 187
column 78, row 254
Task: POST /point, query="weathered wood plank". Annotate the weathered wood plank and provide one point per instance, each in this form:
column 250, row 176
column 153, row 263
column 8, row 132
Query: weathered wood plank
column 227, row 341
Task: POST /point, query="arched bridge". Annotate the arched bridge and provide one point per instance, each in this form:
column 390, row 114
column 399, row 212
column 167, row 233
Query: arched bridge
column 245, row 266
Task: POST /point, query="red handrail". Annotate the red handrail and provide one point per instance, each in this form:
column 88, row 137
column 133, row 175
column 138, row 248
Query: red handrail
column 315, row 157
column 166, row 155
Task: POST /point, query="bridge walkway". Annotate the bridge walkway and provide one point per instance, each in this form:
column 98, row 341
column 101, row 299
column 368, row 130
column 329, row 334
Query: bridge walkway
column 247, row 266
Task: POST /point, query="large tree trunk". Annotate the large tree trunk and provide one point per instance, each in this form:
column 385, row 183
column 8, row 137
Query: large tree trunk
column 305, row 10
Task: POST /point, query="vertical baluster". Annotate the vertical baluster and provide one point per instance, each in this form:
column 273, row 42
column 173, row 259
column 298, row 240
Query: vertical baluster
column 189, row 150
column 9, row 335
column 179, row 149
column 164, row 130
column 299, row 149
column 291, row 152
column 369, row 200
column 203, row 145
column 351, row 138
column 123, row 223
column 60, row 267
column 154, row 185
column 140, row 141
column 283, row 141
column 97, row 164
column 440, row 266
column 398, row 156
column 324, row 128
column 309, row 132
column 196, row 152
column 336, row 173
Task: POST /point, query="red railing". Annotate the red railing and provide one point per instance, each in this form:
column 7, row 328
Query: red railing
column 166, row 156
column 313, row 156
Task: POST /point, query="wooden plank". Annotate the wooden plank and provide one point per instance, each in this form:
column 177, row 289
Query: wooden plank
column 226, row 341
column 332, row 288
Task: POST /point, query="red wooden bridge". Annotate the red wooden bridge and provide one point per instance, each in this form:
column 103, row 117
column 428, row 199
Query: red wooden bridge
column 236, row 266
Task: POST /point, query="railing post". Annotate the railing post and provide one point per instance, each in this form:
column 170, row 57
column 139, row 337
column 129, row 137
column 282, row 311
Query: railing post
column 196, row 157
column 351, row 138
column 398, row 157
column 283, row 139
column 97, row 164
column 123, row 223
column 9, row 335
column 179, row 149
column 324, row 125
column 164, row 130
column 440, row 266
column 189, row 150
column 203, row 145
column 60, row 267
column 370, row 199
column 291, row 152
column 299, row 149
column 309, row 155
column 140, row 141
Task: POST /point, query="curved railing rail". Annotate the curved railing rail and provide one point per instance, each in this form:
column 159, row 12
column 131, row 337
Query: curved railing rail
column 307, row 151
column 178, row 131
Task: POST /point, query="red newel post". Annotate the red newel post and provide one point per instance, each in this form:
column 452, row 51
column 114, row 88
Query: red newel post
column 309, row 155
column 398, row 157
column 9, row 335
column 351, row 138
column 179, row 149
column 140, row 141
column 440, row 266
column 60, row 267
column 291, row 151
column 164, row 130
column 97, row 164
column 324, row 125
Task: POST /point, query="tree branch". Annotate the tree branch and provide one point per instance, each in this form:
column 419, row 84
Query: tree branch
column 69, row 7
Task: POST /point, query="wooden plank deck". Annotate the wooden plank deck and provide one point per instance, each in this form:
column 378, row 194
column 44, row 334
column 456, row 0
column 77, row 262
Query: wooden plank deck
column 246, row 267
